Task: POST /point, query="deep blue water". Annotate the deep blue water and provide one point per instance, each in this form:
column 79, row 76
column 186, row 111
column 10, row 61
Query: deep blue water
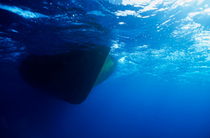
column 160, row 87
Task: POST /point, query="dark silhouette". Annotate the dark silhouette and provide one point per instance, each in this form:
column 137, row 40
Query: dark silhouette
column 69, row 76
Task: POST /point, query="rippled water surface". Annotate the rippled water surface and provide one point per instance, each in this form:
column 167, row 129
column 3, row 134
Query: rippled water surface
column 160, row 87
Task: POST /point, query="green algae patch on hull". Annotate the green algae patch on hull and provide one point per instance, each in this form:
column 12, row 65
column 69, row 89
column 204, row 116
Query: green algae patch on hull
column 107, row 69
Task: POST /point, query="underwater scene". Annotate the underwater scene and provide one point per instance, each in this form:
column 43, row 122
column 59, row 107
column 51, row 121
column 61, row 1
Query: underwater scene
column 104, row 68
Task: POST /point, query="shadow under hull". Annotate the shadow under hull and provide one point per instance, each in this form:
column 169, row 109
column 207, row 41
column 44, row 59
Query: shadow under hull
column 69, row 76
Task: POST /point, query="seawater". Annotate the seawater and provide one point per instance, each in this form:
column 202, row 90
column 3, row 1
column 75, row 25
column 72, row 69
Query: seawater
column 160, row 87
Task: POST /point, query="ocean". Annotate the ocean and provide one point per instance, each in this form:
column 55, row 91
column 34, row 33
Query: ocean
column 159, row 87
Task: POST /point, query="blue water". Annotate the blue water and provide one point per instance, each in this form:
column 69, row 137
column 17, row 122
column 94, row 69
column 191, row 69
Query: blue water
column 160, row 87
